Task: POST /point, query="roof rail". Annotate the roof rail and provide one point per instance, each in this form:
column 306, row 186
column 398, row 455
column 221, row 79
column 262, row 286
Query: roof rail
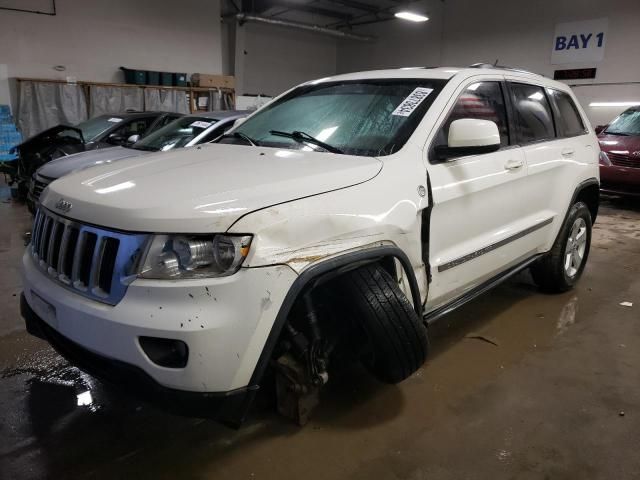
column 502, row 67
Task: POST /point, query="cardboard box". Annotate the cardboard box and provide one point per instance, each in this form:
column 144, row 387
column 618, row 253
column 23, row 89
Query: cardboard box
column 213, row 81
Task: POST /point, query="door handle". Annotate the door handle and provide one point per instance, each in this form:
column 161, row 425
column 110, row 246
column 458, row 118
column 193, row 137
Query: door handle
column 568, row 152
column 513, row 164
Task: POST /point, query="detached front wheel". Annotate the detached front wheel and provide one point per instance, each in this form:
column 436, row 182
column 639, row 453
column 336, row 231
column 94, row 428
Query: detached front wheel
column 393, row 339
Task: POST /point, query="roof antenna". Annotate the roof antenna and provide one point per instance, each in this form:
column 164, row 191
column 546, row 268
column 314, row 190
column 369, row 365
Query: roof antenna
column 495, row 64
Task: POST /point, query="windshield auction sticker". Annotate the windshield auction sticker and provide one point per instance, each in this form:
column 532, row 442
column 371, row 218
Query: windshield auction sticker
column 412, row 102
column 200, row 124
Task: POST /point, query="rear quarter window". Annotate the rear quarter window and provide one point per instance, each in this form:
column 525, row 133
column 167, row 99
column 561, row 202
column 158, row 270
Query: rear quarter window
column 569, row 122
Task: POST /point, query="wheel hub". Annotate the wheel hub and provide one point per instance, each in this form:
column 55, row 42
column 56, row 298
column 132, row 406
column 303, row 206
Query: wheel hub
column 576, row 247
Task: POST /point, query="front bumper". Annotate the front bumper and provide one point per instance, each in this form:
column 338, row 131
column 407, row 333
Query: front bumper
column 224, row 321
column 229, row 406
column 620, row 180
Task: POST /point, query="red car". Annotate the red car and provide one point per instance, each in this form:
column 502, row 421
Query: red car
column 620, row 157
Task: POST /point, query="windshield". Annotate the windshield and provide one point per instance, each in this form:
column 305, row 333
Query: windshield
column 627, row 123
column 94, row 127
column 362, row 117
column 175, row 134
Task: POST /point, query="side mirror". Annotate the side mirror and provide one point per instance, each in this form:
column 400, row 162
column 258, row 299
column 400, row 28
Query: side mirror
column 133, row 139
column 115, row 139
column 600, row 128
column 238, row 122
column 470, row 136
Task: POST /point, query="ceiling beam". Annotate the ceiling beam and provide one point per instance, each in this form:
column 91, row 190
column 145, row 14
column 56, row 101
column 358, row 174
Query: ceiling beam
column 308, row 8
column 364, row 7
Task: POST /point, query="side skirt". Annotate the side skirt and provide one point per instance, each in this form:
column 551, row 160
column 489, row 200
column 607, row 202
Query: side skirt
column 433, row 315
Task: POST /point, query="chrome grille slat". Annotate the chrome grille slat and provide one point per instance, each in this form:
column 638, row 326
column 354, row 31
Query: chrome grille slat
column 96, row 262
column 36, row 231
column 77, row 259
column 51, row 240
column 77, row 265
column 42, row 241
column 64, row 245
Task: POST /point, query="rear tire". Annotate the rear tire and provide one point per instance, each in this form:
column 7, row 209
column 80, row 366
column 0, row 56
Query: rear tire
column 394, row 337
column 560, row 269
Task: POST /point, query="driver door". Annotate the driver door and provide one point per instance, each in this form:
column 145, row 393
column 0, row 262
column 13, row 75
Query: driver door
column 477, row 208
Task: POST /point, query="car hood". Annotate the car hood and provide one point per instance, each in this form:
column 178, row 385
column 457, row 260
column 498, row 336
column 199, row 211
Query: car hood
column 202, row 189
column 624, row 145
column 46, row 135
column 64, row 165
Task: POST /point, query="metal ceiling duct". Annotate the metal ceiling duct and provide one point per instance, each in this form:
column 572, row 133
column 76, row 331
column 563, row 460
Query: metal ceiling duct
column 243, row 17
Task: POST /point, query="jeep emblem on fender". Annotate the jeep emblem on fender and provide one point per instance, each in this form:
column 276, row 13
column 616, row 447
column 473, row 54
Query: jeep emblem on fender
column 63, row 205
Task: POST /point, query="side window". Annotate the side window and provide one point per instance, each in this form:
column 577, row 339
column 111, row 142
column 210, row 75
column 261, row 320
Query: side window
column 166, row 120
column 569, row 120
column 135, row 127
column 482, row 100
column 533, row 117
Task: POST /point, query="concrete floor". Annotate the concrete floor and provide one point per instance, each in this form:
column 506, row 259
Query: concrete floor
column 557, row 397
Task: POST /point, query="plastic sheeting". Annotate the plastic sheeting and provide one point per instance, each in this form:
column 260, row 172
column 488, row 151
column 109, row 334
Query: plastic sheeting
column 220, row 100
column 44, row 105
column 159, row 100
column 111, row 100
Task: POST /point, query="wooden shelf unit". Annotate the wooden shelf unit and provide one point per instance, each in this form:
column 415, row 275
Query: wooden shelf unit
column 86, row 85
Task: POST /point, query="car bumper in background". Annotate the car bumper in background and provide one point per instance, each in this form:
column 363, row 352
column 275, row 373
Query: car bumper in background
column 620, row 180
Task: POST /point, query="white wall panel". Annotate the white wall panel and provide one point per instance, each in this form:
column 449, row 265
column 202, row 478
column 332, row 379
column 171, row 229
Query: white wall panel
column 92, row 38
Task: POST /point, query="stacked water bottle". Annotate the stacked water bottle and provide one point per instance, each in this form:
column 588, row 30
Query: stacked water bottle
column 9, row 134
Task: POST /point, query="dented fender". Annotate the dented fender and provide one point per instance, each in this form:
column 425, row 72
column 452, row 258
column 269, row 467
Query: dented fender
column 384, row 211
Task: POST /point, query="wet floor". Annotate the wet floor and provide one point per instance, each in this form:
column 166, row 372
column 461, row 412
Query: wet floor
column 519, row 385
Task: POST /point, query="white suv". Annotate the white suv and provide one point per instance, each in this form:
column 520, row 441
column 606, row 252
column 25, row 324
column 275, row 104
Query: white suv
column 340, row 219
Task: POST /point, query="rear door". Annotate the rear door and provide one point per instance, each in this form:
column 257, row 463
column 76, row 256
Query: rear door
column 549, row 130
column 476, row 207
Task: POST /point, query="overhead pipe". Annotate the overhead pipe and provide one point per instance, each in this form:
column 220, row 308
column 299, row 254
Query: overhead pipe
column 243, row 18
column 37, row 12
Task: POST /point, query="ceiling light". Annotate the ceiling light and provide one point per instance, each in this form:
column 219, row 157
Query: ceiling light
column 412, row 17
column 614, row 104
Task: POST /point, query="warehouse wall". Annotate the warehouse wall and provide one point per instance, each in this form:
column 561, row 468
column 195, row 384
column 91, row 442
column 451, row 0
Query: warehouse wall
column 462, row 32
column 270, row 59
column 92, row 38
column 398, row 43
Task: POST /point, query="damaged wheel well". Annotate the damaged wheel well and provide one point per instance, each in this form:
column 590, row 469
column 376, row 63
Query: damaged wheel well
column 322, row 273
column 589, row 193
column 331, row 320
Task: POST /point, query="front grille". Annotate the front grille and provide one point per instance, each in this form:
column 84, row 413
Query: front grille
column 91, row 261
column 38, row 185
column 623, row 160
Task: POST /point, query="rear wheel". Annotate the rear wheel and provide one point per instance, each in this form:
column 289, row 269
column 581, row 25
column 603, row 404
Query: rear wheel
column 393, row 339
column 560, row 269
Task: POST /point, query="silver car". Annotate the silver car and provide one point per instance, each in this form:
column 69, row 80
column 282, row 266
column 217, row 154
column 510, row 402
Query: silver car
column 183, row 132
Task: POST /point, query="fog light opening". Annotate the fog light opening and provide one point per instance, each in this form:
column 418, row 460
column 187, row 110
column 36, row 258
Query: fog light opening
column 165, row 352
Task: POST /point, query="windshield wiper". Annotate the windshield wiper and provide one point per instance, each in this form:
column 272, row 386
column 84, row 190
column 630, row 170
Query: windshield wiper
column 621, row 134
column 242, row 136
column 302, row 137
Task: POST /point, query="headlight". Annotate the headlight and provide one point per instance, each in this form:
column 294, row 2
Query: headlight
column 195, row 256
column 603, row 159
